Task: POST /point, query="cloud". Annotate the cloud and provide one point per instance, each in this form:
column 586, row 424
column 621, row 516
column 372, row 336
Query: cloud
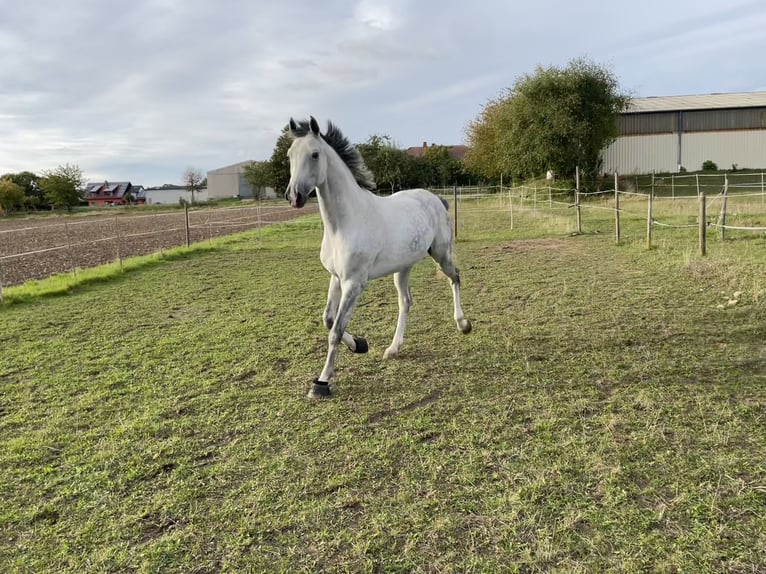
column 140, row 90
column 446, row 93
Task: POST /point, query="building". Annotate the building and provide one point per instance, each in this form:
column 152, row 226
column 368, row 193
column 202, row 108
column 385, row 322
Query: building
column 456, row 151
column 675, row 133
column 114, row 193
column 228, row 181
column 169, row 194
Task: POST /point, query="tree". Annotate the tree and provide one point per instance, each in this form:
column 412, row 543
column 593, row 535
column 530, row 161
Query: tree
column 279, row 163
column 192, row 180
column 555, row 119
column 12, row 196
column 29, row 183
column 441, row 167
column 258, row 175
column 389, row 164
column 63, row 186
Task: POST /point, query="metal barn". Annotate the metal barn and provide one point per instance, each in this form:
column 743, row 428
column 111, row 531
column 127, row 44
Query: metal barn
column 228, row 181
column 674, row 133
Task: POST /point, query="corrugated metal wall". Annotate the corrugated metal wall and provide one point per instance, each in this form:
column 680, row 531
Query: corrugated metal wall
column 222, row 184
column 642, row 154
column 709, row 120
column 747, row 149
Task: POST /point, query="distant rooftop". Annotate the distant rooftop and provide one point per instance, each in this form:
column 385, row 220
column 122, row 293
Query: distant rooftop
column 703, row 102
column 456, row 151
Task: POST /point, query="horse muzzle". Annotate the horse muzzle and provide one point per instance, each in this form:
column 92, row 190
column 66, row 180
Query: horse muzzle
column 296, row 198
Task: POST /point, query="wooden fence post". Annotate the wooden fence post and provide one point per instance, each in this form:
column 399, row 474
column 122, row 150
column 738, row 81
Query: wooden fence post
column 260, row 242
column 186, row 223
column 672, row 186
column 649, row 218
column 703, row 224
column 577, row 199
column 697, row 176
column 510, row 203
column 616, row 210
column 117, row 241
column 454, row 200
column 69, row 250
column 157, row 225
column 722, row 215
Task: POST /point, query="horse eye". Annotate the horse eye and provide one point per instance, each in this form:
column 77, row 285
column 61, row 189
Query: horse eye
column 315, row 155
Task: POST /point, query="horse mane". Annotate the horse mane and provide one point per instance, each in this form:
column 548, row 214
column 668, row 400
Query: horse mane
column 345, row 150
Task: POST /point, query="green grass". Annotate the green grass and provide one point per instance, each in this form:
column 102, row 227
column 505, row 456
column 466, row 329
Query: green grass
column 606, row 413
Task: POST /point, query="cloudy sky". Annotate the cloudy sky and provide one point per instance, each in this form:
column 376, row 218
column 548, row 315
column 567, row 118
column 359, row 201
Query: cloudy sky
column 139, row 90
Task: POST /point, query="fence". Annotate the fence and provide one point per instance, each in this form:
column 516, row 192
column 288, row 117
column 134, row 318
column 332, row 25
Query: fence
column 727, row 203
column 723, row 202
column 37, row 248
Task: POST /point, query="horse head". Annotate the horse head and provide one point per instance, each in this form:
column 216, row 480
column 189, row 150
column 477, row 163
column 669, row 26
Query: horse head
column 308, row 161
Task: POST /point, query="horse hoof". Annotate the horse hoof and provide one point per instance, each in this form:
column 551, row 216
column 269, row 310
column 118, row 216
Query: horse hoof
column 464, row 325
column 319, row 390
column 360, row 345
column 390, row 354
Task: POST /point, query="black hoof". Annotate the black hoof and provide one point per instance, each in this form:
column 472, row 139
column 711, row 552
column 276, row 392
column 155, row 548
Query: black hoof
column 319, row 390
column 361, row 345
column 465, row 326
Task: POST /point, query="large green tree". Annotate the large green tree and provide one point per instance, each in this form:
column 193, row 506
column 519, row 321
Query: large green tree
column 279, row 163
column 12, row 196
column 258, row 175
column 389, row 164
column 555, row 119
column 441, row 168
column 63, row 186
column 29, row 183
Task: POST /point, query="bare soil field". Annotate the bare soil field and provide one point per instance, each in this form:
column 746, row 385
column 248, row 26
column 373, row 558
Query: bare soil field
column 35, row 248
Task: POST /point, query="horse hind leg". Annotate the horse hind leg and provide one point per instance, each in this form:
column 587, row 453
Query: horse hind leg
column 442, row 254
column 402, row 282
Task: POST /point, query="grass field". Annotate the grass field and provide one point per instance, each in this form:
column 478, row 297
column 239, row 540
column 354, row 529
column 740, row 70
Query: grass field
column 607, row 413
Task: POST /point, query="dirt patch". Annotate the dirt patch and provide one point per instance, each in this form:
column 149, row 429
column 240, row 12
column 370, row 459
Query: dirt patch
column 532, row 245
column 36, row 248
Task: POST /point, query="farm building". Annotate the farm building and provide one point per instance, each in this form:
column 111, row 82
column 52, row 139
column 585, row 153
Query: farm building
column 228, row 181
column 668, row 134
column 114, row 193
column 172, row 194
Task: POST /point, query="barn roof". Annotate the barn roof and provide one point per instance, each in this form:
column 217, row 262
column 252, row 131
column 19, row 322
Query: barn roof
column 701, row 102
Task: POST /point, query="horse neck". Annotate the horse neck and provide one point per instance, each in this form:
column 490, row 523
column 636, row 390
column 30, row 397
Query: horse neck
column 341, row 200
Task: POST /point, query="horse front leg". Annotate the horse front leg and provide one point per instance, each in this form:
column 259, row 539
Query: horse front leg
column 355, row 344
column 350, row 291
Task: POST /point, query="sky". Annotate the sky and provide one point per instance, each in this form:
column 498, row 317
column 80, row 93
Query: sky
column 140, row 90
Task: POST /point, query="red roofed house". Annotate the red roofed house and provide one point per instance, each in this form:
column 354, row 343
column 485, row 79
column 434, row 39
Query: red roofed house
column 114, row 193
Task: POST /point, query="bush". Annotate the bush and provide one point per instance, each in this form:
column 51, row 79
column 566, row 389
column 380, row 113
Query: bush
column 709, row 165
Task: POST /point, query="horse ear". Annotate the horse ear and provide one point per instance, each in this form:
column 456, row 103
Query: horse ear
column 314, row 125
column 293, row 126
